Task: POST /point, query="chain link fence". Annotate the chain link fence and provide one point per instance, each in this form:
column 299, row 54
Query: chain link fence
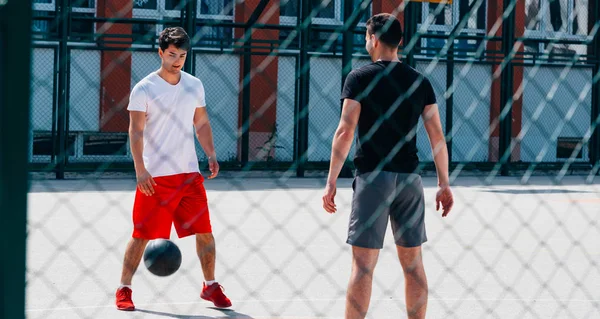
column 518, row 89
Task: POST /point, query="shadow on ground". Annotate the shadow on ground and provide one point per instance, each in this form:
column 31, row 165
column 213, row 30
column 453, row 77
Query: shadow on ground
column 227, row 314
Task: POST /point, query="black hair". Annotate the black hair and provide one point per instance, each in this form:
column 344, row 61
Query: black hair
column 386, row 28
column 175, row 36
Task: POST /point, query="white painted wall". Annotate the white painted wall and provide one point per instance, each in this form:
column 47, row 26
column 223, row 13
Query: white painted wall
column 142, row 64
column 436, row 73
column 553, row 103
column 85, row 91
column 556, row 103
column 471, row 112
column 324, row 106
column 42, row 86
column 286, row 86
column 220, row 74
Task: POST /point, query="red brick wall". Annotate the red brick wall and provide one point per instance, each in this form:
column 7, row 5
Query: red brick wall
column 389, row 6
column 495, row 12
column 263, row 86
column 115, row 66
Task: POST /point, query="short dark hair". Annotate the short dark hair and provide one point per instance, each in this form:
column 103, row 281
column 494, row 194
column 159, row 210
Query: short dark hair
column 175, row 36
column 386, row 28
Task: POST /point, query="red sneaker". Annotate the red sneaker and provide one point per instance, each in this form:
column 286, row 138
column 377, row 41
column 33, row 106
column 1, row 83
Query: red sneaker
column 124, row 299
column 215, row 294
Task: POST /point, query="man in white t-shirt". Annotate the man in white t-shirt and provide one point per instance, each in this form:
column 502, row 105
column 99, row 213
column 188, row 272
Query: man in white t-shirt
column 166, row 108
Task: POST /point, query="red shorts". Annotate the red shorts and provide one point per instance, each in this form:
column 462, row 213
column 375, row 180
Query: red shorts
column 178, row 199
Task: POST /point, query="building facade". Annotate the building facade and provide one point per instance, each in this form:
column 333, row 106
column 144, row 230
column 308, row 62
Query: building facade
column 107, row 56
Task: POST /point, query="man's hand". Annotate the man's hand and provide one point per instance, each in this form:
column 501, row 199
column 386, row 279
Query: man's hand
column 329, row 198
column 213, row 166
column 445, row 198
column 145, row 182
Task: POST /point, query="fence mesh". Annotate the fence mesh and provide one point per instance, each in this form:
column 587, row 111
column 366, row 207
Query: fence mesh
column 521, row 245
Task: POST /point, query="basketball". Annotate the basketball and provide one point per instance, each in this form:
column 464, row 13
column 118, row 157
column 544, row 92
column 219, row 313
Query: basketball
column 162, row 257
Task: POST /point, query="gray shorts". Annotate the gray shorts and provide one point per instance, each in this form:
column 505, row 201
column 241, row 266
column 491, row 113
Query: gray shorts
column 379, row 196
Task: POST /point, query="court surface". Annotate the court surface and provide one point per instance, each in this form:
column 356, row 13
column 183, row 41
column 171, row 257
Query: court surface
column 507, row 250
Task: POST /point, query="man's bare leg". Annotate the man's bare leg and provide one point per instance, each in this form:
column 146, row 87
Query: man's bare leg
column 416, row 290
column 205, row 248
column 133, row 256
column 358, row 296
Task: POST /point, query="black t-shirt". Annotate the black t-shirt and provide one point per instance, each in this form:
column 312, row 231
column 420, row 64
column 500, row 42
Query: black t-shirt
column 392, row 97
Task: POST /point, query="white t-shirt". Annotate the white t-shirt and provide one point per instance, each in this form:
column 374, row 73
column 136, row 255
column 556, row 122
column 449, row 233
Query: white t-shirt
column 169, row 146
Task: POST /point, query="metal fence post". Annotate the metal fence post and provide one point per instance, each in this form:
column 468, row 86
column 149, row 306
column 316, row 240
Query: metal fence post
column 247, row 68
column 55, row 96
column 247, row 80
column 63, row 9
column 303, row 85
column 14, row 149
column 449, row 99
column 190, row 26
column 410, row 31
column 347, row 49
column 350, row 23
column 506, row 90
column 595, row 112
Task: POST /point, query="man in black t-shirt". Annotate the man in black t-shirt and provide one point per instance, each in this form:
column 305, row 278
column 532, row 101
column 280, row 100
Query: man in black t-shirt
column 385, row 100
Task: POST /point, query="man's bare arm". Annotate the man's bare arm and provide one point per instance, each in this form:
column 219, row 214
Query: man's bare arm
column 433, row 126
column 137, row 123
column 205, row 138
column 340, row 147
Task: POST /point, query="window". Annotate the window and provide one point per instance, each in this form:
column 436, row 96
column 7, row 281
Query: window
column 81, row 29
column 359, row 37
column 366, row 15
column 216, row 8
column 207, row 9
column 565, row 146
column 288, row 8
column 215, row 36
column 330, row 13
column 144, row 4
column 105, row 144
column 325, row 41
column 46, row 23
column 442, row 18
column 83, row 4
column 44, row 5
column 43, row 143
column 563, row 19
column 174, row 5
column 78, row 29
column 326, row 11
column 157, row 8
column 219, row 10
column 560, row 16
column 438, row 15
column 143, row 32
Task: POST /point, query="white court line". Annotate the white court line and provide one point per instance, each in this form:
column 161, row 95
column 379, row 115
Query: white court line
column 332, row 299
